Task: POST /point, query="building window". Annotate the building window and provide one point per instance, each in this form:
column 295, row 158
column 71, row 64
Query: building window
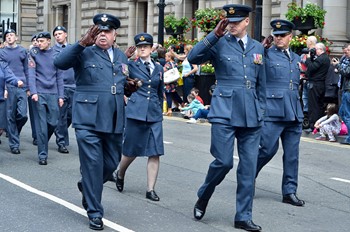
column 9, row 14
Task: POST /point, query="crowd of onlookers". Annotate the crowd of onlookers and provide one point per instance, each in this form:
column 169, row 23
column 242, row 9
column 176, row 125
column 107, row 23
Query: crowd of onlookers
column 323, row 84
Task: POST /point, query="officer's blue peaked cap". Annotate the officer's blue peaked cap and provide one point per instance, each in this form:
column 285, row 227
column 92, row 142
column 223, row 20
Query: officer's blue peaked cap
column 281, row 26
column 106, row 22
column 143, row 38
column 236, row 12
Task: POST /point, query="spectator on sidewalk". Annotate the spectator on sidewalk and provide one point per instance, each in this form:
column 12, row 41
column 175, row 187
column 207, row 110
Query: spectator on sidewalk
column 343, row 68
column 329, row 125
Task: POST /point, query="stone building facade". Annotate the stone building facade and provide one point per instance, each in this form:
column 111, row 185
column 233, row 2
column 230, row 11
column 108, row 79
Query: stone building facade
column 137, row 16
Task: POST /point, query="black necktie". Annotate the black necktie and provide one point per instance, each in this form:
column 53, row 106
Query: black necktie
column 106, row 52
column 241, row 44
column 286, row 53
column 147, row 64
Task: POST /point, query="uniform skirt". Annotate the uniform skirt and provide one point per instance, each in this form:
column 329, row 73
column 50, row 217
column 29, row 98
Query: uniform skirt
column 143, row 138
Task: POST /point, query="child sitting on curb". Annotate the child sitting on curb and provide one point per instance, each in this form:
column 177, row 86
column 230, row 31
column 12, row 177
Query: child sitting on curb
column 329, row 125
column 193, row 106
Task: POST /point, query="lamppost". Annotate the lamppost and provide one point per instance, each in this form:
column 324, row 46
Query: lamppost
column 258, row 20
column 161, row 5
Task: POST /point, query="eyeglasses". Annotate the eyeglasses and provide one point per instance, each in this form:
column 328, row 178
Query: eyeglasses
column 282, row 35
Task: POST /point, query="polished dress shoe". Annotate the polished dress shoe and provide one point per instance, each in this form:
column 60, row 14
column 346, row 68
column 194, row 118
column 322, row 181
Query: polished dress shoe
column 96, row 224
column 247, row 225
column 42, row 162
column 199, row 209
column 83, row 200
column 35, row 142
column 152, row 195
column 119, row 183
column 15, row 151
column 62, row 149
column 293, row 200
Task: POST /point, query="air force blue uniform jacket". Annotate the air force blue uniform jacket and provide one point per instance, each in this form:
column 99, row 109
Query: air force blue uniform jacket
column 100, row 87
column 239, row 98
column 146, row 104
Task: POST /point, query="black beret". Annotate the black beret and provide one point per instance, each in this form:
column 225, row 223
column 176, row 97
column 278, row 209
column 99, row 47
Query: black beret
column 143, row 38
column 106, row 21
column 35, row 36
column 59, row 28
column 44, row 34
column 9, row 31
column 281, row 26
column 236, row 12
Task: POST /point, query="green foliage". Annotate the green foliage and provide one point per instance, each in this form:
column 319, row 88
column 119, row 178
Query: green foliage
column 206, row 19
column 170, row 21
column 298, row 42
column 310, row 10
column 207, row 68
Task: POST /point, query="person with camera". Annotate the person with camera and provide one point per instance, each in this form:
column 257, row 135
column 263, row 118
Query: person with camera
column 310, row 49
column 317, row 69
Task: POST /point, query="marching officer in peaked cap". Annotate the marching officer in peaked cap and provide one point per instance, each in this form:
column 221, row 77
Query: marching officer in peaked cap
column 144, row 116
column 65, row 118
column 284, row 114
column 101, row 74
column 237, row 109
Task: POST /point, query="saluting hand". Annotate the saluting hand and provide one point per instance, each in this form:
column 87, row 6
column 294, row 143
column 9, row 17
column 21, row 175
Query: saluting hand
column 220, row 29
column 130, row 51
column 90, row 36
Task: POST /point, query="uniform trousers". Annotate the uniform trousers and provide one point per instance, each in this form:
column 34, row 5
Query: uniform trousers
column 46, row 117
column 16, row 114
column 99, row 155
column 222, row 145
column 290, row 133
column 31, row 117
column 65, row 118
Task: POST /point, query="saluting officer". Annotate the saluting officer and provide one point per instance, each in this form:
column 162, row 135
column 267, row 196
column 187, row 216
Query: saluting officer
column 284, row 114
column 144, row 116
column 98, row 108
column 237, row 107
column 46, row 89
column 16, row 103
column 65, row 118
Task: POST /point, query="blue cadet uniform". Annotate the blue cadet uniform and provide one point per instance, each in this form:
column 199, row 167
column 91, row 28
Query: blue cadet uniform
column 98, row 113
column 237, row 108
column 284, row 114
column 16, row 102
column 65, row 118
column 30, row 105
column 44, row 81
column 6, row 76
column 144, row 108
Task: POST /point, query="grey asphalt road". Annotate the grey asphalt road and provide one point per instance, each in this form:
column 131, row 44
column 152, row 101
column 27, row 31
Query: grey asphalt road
column 45, row 198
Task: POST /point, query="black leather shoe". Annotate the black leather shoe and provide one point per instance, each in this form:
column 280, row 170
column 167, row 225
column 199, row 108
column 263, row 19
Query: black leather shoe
column 42, row 162
column 199, row 209
column 15, row 151
column 96, row 224
column 83, row 200
column 152, row 195
column 247, row 225
column 62, row 149
column 293, row 200
column 119, row 183
column 35, row 142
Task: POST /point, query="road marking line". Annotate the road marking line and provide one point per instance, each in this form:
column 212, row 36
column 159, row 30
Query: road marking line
column 64, row 203
column 340, row 179
column 166, row 142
